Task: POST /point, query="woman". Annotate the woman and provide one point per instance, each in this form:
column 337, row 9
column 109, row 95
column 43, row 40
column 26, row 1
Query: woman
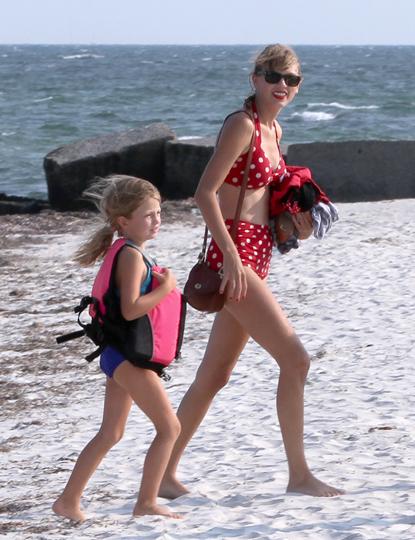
column 250, row 309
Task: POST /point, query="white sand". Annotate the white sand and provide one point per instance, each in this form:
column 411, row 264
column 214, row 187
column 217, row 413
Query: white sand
column 350, row 298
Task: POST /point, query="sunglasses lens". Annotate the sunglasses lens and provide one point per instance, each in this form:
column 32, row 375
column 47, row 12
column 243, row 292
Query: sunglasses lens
column 292, row 80
column 272, row 77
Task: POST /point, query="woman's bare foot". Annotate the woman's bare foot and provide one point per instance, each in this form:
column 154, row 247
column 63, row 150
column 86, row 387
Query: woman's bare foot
column 68, row 510
column 171, row 489
column 154, row 510
column 312, row 486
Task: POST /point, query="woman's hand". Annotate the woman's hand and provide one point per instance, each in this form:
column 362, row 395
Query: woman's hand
column 234, row 283
column 304, row 224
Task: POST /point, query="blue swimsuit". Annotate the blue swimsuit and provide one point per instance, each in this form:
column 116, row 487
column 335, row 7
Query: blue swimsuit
column 111, row 358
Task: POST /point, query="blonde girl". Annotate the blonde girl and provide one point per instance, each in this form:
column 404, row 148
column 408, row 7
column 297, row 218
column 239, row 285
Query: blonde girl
column 130, row 208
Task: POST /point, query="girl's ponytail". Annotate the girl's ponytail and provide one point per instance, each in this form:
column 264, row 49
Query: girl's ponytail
column 96, row 247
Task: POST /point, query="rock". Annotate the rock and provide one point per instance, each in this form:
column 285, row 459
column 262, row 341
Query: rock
column 12, row 204
column 353, row 171
column 185, row 162
column 71, row 169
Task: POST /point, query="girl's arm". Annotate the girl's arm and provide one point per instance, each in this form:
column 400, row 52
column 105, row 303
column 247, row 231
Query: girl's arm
column 234, row 140
column 131, row 272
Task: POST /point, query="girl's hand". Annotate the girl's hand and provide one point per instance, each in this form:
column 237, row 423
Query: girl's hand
column 166, row 278
column 304, row 224
column 234, row 278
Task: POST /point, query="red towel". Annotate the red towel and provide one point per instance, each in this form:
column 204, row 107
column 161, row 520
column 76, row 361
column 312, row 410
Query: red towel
column 285, row 196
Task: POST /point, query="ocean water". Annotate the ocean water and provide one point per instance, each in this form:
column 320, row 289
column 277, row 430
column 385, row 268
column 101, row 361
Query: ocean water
column 51, row 95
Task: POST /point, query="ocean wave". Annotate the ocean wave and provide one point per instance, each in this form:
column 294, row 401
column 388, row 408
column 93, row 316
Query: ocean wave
column 8, row 133
column 81, row 56
column 341, row 106
column 315, row 116
column 42, row 99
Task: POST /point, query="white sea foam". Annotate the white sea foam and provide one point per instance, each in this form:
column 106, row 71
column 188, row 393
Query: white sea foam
column 81, row 56
column 49, row 98
column 315, row 116
column 342, row 106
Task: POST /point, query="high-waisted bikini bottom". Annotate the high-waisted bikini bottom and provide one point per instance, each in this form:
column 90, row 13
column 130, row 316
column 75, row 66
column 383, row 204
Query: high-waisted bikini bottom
column 254, row 245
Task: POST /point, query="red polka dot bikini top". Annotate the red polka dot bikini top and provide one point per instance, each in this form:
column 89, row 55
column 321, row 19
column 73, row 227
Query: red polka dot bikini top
column 261, row 172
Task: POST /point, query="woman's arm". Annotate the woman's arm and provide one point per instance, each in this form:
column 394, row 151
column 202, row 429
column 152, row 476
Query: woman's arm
column 131, row 272
column 304, row 224
column 302, row 221
column 234, row 140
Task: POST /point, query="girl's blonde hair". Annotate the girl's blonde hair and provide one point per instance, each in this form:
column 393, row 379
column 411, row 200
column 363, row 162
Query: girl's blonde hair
column 278, row 57
column 115, row 196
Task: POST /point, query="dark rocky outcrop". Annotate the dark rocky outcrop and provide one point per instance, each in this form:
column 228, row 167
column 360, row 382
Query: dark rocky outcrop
column 12, row 204
column 349, row 171
column 71, row 168
column 185, row 161
column 352, row 171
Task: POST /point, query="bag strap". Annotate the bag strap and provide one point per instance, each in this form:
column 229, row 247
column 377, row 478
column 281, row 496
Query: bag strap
column 243, row 187
column 241, row 197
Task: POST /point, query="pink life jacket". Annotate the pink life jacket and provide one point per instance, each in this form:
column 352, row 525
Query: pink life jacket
column 152, row 341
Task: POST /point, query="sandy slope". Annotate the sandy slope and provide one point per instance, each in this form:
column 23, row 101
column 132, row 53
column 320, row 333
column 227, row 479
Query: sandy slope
column 351, row 299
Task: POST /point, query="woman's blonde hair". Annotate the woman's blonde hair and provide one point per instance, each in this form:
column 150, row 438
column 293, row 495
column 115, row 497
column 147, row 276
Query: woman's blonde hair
column 275, row 57
column 115, row 196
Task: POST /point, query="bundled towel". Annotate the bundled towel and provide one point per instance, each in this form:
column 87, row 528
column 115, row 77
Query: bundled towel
column 323, row 216
column 297, row 192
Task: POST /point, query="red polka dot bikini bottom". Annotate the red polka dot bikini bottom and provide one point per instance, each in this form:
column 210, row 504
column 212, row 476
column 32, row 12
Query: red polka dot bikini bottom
column 254, row 245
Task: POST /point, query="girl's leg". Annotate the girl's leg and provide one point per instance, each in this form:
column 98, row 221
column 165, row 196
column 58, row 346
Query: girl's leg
column 226, row 342
column 146, row 389
column 264, row 320
column 116, row 408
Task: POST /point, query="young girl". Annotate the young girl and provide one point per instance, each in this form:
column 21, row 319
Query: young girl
column 130, row 207
column 250, row 309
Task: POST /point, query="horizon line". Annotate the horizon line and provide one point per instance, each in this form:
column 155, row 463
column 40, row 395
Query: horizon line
column 212, row 44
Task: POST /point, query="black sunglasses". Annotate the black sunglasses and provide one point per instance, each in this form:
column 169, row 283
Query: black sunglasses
column 273, row 77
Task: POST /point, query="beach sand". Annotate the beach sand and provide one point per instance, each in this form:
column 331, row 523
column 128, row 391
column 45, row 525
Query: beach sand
column 349, row 297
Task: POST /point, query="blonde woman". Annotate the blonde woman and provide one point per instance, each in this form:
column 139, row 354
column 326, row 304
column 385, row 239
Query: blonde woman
column 250, row 310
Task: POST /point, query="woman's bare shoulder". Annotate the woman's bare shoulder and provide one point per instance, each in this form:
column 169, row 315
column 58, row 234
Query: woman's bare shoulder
column 240, row 120
column 237, row 127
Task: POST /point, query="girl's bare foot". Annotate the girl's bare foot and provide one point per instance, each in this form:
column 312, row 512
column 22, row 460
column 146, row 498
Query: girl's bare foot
column 154, row 510
column 68, row 510
column 171, row 489
column 312, row 486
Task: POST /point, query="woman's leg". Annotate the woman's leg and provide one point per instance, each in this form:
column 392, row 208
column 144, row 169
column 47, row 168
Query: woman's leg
column 147, row 391
column 226, row 342
column 116, row 408
column 262, row 317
